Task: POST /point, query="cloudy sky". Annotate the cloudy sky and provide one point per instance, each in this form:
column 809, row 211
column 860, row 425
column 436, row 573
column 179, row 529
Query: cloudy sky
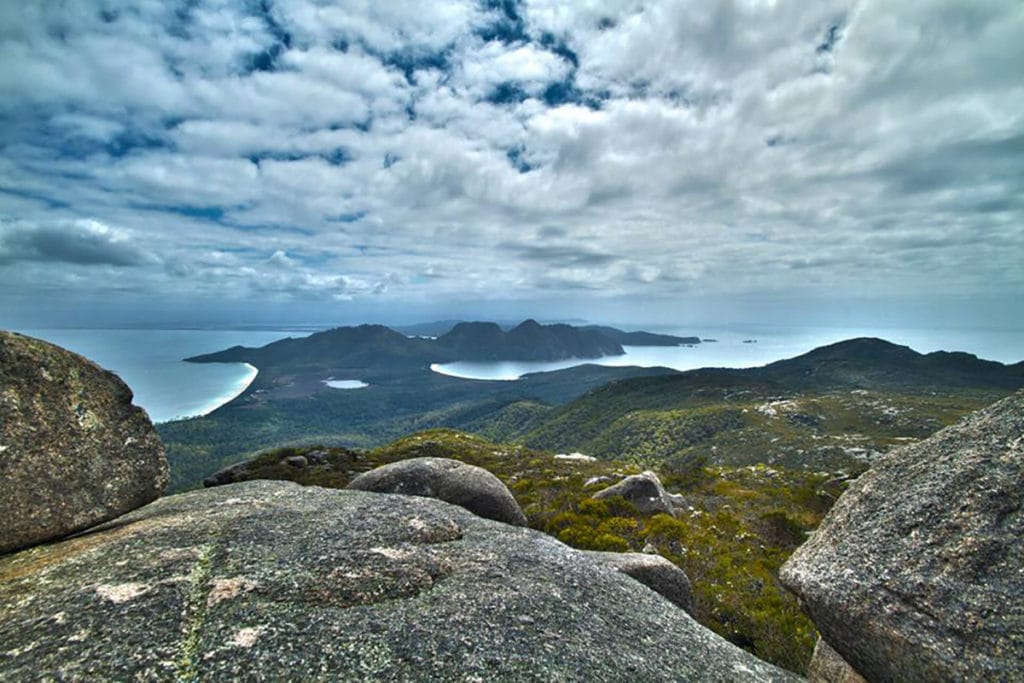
column 620, row 161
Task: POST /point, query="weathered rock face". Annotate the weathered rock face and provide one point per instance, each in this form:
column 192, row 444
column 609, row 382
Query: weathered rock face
column 653, row 571
column 74, row 451
column 828, row 667
column 279, row 581
column 916, row 572
column 468, row 486
column 644, row 491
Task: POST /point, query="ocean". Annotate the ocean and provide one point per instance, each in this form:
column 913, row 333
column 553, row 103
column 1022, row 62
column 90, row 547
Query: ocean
column 150, row 360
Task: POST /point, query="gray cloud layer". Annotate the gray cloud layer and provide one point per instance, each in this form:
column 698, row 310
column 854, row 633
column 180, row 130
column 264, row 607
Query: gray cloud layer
column 398, row 155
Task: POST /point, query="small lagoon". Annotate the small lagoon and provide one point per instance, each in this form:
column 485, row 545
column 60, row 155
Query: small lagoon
column 345, row 383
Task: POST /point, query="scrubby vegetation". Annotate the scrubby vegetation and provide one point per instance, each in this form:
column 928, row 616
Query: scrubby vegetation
column 741, row 426
column 738, row 527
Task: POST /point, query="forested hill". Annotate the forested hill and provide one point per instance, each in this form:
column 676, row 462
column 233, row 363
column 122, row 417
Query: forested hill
column 834, row 407
column 527, row 341
column 871, row 363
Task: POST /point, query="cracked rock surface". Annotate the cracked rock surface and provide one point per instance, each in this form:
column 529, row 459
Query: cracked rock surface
column 274, row 581
column 74, row 451
column 917, row 573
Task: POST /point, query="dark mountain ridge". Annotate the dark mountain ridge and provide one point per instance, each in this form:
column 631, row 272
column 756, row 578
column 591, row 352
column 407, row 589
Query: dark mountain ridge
column 863, row 363
column 829, row 407
column 369, row 346
column 868, row 362
column 641, row 338
column 362, row 346
column 527, row 341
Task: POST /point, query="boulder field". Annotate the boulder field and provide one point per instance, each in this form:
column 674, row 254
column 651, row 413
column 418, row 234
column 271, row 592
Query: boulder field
column 915, row 575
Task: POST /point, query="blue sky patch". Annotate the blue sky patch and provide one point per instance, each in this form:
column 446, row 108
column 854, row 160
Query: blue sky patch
column 507, row 93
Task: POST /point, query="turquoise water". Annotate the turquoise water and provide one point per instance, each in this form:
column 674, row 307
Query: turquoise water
column 150, row 362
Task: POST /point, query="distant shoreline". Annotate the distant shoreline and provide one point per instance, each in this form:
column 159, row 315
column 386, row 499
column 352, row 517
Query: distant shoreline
column 237, row 390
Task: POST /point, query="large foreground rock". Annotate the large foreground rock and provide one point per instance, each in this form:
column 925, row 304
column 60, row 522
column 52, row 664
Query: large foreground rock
column 644, row 491
column 74, row 451
column 468, row 486
column 274, row 581
column 917, row 573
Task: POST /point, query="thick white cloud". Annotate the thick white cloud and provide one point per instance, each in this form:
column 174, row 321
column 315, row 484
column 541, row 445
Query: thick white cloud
column 395, row 153
column 391, row 26
column 525, row 66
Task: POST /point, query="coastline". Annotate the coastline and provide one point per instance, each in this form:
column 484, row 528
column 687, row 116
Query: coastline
column 234, row 392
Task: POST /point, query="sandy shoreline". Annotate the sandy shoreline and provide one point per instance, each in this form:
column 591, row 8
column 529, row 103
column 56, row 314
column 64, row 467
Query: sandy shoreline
column 237, row 390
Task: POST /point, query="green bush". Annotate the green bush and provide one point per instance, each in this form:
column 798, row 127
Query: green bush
column 610, row 543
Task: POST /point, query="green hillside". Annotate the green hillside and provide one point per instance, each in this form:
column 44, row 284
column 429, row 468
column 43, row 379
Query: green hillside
column 833, row 408
column 839, row 430
column 281, row 409
column 830, row 409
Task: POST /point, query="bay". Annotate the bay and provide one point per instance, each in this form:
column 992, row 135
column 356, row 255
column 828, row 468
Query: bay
column 150, row 361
